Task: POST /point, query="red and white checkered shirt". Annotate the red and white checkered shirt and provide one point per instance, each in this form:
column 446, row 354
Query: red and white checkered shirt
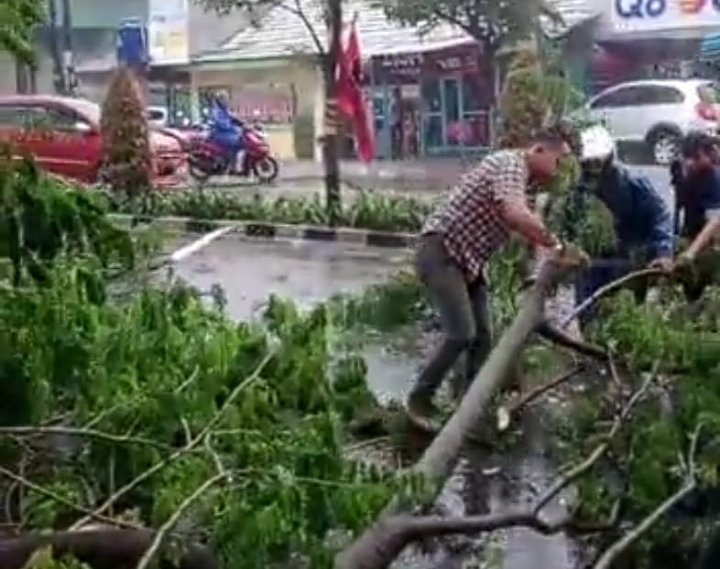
column 470, row 220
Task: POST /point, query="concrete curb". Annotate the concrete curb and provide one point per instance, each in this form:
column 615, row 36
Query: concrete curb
column 271, row 230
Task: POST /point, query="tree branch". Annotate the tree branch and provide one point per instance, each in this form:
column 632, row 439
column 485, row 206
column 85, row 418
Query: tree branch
column 564, row 340
column 298, row 11
column 195, row 442
column 606, row 290
column 599, row 451
column 28, row 431
column 393, row 533
column 378, row 545
column 505, row 413
column 167, row 527
column 89, row 514
column 689, row 485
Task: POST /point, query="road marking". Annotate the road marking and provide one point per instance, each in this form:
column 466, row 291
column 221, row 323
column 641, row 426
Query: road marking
column 202, row 242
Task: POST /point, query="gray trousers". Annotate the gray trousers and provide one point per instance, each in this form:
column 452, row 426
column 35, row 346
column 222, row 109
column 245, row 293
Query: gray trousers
column 464, row 314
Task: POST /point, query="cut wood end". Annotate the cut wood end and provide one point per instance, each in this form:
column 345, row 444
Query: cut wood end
column 503, row 419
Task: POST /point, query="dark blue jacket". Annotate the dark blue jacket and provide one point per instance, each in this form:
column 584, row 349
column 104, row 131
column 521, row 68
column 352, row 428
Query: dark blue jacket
column 697, row 195
column 642, row 218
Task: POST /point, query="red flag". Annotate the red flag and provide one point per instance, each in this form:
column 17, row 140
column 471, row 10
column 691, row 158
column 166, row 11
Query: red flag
column 350, row 96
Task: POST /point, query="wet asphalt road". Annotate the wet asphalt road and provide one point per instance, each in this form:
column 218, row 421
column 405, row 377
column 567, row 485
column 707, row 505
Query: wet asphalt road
column 306, row 271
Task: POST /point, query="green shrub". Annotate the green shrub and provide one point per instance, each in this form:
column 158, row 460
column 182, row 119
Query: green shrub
column 126, row 149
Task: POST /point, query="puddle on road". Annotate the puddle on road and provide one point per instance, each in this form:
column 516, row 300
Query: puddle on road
column 306, row 271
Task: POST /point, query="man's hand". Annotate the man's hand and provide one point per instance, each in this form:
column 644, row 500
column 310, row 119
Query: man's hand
column 664, row 264
column 684, row 261
column 569, row 254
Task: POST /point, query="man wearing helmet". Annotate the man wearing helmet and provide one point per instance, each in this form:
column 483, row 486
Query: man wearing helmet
column 642, row 221
column 697, row 186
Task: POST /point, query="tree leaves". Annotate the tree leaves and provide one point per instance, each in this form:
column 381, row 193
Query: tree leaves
column 494, row 24
column 18, row 19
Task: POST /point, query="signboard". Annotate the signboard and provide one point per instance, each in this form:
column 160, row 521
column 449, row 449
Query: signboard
column 658, row 15
column 131, row 47
column 413, row 67
column 168, row 32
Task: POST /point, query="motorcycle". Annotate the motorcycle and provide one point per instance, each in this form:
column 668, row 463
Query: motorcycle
column 206, row 159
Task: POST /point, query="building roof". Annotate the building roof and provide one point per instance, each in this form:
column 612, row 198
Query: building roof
column 281, row 32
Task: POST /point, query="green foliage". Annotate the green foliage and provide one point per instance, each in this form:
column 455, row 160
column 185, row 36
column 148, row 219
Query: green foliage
column 645, row 456
column 369, row 210
column 161, row 382
column 532, row 99
column 493, row 24
column 41, row 218
column 582, row 218
column 126, row 150
column 19, row 18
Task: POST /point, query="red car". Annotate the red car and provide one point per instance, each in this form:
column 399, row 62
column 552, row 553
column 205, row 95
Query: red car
column 63, row 135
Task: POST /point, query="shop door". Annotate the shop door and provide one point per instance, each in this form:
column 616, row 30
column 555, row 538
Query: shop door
column 452, row 114
column 381, row 122
column 443, row 116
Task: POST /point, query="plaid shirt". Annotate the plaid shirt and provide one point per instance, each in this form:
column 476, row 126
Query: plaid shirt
column 470, row 220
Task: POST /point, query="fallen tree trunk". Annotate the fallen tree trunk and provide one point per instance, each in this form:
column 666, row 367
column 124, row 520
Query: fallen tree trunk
column 378, row 546
column 99, row 549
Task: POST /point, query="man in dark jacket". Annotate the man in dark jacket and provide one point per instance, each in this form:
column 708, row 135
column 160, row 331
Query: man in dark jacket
column 697, row 186
column 643, row 223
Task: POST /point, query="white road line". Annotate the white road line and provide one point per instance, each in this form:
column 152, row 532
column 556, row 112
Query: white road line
column 202, row 242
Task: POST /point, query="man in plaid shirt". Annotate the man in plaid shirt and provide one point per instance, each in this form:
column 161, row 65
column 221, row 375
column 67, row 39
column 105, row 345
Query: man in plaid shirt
column 456, row 242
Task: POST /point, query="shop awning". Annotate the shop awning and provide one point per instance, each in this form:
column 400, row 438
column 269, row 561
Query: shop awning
column 710, row 47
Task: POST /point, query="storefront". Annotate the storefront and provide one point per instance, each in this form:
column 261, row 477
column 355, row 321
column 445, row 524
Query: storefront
column 431, row 103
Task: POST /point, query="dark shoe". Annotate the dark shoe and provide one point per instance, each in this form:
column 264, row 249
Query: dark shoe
column 421, row 412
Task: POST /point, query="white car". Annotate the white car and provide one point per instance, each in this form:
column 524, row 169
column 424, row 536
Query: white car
column 657, row 112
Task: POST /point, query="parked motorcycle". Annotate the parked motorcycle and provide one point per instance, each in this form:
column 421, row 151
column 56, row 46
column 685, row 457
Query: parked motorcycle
column 206, row 159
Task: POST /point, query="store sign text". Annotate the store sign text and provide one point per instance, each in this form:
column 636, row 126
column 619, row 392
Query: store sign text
column 649, row 9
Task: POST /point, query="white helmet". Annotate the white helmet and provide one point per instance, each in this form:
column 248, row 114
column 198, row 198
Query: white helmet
column 597, row 143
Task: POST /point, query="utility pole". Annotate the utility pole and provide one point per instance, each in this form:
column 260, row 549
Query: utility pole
column 331, row 161
column 58, row 75
column 70, row 80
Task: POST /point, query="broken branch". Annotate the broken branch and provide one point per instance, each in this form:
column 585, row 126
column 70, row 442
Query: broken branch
column 167, row 527
column 505, row 413
column 377, row 546
column 688, row 486
column 606, row 290
column 189, row 447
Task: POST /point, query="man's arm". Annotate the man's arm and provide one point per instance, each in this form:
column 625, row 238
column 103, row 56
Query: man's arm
column 509, row 192
column 711, row 204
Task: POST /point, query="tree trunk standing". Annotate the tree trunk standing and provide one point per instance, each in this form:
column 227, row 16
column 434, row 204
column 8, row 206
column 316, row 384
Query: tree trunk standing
column 59, row 76
column 68, row 65
column 331, row 163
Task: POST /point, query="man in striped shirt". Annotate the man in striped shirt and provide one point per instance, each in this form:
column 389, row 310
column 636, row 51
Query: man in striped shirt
column 456, row 242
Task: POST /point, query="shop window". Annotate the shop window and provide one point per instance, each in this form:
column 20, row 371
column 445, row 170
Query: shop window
column 473, row 97
column 431, row 97
column 433, row 133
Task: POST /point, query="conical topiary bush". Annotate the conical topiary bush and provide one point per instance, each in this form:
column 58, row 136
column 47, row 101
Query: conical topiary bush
column 126, row 149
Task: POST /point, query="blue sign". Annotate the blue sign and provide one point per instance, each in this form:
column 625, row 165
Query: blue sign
column 132, row 44
column 630, row 9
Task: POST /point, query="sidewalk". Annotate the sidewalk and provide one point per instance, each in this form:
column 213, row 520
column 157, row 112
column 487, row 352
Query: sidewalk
column 428, row 174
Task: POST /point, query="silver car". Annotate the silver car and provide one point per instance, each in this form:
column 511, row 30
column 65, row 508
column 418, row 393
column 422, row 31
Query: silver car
column 657, row 112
